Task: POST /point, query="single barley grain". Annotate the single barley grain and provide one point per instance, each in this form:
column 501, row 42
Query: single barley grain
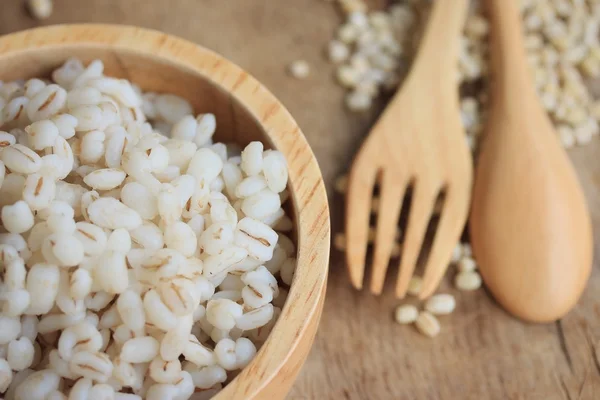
column 299, row 69
column 467, row 281
column 427, row 324
column 440, row 304
column 406, row 314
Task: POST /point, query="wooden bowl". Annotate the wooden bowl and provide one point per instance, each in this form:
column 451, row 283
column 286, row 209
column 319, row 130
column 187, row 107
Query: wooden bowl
column 245, row 111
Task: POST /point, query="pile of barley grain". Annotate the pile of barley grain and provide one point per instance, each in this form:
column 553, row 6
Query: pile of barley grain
column 373, row 51
column 133, row 264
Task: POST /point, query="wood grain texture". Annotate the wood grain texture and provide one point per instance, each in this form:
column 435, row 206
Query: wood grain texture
column 409, row 147
column 359, row 352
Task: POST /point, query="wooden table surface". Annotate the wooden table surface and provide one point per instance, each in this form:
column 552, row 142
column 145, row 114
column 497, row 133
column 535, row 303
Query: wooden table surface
column 359, row 352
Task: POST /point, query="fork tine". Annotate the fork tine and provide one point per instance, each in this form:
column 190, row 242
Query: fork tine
column 420, row 211
column 358, row 210
column 449, row 229
column 390, row 202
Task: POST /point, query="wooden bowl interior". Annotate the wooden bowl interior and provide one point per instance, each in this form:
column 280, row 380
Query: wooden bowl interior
column 236, row 122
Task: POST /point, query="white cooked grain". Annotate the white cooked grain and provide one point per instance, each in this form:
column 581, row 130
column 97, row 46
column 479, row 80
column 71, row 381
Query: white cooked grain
column 262, row 204
column 40, row 9
column 180, row 236
column 6, row 139
column 13, row 111
column 205, row 165
column 221, row 211
column 101, row 391
column 93, row 365
column 21, row 159
column 185, row 128
column 80, row 284
column 140, row 350
column 168, row 204
column 252, row 159
column 33, row 86
column 157, row 313
column 111, row 272
column 16, row 302
column 467, row 281
column 14, row 274
column 274, row 220
column 99, row 299
column 63, row 249
column 255, row 318
column 110, row 318
column 223, row 313
column 53, row 322
column 427, row 324
column 257, row 238
column 287, row 271
column 92, row 238
column 466, row 264
column 80, row 337
column 119, row 241
column 217, row 265
column 171, row 108
column 406, row 314
column 81, row 389
column 41, row 134
column 174, row 341
column 112, row 214
column 466, row 250
column 47, row 102
column 208, row 376
column 42, row 279
column 104, row 178
column 338, row 51
column 440, row 304
column 11, row 328
column 299, row 69
column 250, row 186
column 38, row 385
column 64, row 301
column 207, row 125
column 225, row 354
column 245, row 351
column 139, row 198
column 39, row 191
column 115, row 238
column 165, row 371
column 17, row 218
column 6, row 375
column 149, row 236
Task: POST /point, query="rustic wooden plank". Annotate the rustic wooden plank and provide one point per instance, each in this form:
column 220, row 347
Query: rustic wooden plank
column 360, row 353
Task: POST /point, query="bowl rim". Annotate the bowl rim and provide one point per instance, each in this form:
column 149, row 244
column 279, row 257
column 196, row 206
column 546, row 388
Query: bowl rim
column 302, row 309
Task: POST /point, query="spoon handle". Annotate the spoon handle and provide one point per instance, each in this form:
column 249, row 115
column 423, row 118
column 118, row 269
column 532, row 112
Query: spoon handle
column 510, row 69
column 441, row 40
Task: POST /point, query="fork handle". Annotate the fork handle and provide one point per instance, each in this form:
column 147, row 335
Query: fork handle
column 441, row 40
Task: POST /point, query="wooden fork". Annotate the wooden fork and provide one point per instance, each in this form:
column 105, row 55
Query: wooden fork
column 418, row 142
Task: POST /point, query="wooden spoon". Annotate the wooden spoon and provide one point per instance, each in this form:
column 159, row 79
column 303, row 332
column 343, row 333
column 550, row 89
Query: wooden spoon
column 530, row 225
